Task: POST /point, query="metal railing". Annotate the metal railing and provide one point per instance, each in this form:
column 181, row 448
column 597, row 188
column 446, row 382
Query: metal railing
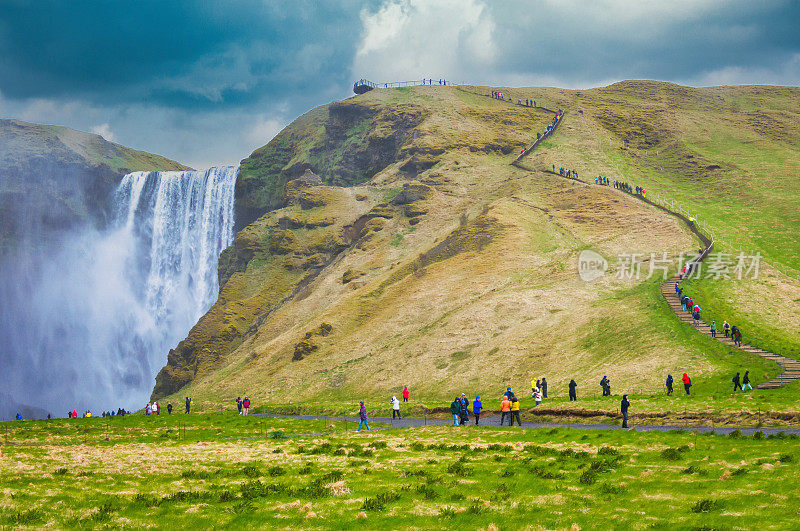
column 394, row 84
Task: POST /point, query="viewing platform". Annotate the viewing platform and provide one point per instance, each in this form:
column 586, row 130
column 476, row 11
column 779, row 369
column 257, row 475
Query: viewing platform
column 364, row 85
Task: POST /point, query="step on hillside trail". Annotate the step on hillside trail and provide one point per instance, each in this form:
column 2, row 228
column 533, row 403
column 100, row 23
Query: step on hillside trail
column 791, row 367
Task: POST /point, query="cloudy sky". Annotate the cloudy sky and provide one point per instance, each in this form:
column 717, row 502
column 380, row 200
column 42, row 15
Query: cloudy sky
column 207, row 82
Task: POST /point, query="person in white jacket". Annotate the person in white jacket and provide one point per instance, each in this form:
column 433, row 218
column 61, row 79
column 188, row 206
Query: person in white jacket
column 395, row 408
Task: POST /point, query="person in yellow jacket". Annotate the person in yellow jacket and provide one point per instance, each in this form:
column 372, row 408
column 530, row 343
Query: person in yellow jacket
column 505, row 409
column 515, row 410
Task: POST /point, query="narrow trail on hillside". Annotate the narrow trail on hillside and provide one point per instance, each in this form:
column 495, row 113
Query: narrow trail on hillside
column 791, row 367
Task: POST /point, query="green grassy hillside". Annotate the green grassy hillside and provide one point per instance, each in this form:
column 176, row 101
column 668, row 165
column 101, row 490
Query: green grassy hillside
column 728, row 155
column 449, row 270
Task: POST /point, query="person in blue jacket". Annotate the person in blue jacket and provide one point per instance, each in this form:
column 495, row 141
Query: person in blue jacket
column 477, row 406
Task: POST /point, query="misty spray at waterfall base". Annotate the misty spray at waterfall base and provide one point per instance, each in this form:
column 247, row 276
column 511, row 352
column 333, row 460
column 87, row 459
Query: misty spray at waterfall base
column 90, row 326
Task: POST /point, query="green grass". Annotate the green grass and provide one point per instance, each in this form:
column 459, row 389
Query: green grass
column 422, row 478
column 162, row 429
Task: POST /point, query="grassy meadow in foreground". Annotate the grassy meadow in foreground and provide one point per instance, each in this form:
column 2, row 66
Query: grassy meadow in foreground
column 244, row 472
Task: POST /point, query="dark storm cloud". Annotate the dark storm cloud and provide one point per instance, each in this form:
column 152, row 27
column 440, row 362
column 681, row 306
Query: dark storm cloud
column 176, row 53
column 206, row 82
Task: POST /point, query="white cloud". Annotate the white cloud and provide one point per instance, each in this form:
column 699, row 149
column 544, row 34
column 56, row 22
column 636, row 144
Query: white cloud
column 412, row 39
column 105, row 131
column 261, row 131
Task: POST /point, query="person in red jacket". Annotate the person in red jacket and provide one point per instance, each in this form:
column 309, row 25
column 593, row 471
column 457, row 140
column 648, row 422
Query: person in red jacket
column 405, row 393
column 687, row 382
column 246, row 404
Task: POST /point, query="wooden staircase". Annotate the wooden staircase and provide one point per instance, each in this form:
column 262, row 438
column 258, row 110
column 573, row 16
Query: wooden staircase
column 791, row 367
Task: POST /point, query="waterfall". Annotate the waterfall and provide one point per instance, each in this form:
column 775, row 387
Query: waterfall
column 92, row 326
column 182, row 220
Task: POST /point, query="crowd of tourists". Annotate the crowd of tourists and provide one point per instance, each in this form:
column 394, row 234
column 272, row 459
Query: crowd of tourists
column 688, row 304
column 625, row 187
column 118, row 413
column 564, row 172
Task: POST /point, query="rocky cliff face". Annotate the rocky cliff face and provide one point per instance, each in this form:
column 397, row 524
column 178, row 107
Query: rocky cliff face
column 323, row 189
column 344, row 143
column 54, row 178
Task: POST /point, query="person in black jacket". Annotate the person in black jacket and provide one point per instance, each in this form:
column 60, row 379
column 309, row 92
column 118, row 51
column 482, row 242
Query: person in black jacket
column 605, row 383
column 623, row 407
column 736, row 384
column 464, row 409
column 544, row 387
column 746, row 381
column 669, row 385
column 455, row 409
column 573, row 395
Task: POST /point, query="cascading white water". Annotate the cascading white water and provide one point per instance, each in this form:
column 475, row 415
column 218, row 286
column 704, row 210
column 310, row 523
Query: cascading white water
column 182, row 220
column 92, row 328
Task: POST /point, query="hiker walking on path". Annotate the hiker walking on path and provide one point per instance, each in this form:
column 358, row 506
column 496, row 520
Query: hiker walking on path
column 188, row 404
column 736, row 385
column 726, row 328
column 505, row 410
column 713, row 329
column 455, row 410
column 239, row 404
column 737, row 337
column 464, row 409
column 246, row 404
column 169, row 409
column 362, row 416
column 669, row 385
column 537, row 396
column 534, row 386
column 623, row 407
column 746, row 381
column 477, row 406
column 687, row 382
column 405, row 393
column 573, row 395
column 544, row 387
column 395, row 408
column 515, row 410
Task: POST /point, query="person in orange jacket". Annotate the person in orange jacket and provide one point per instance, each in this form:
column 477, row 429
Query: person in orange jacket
column 505, row 410
column 405, row 393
